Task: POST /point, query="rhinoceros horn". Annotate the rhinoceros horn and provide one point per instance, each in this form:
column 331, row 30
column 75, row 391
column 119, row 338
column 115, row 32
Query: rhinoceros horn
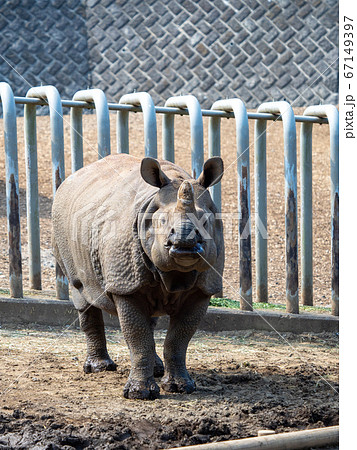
column 185, row 198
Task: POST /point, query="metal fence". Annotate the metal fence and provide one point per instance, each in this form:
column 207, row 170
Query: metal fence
column 182, row 105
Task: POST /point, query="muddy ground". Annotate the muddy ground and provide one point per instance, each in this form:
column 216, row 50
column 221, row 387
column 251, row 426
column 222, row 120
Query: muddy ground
column 276, row 218
column 246, row 381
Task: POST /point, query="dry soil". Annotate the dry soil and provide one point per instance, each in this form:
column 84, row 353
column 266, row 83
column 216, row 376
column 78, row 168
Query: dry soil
column 246, row 381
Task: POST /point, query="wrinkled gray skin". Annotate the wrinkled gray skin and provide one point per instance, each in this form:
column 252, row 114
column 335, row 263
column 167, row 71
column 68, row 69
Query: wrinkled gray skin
column 124, row 236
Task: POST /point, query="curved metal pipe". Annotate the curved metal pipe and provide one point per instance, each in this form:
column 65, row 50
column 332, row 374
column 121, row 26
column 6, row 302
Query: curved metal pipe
column 12, row 190
column 291, row 231
column 144, row 100
column 331, row 113
column 51, row 95
column 196, row 125
column 96, row 96
column 242, row 137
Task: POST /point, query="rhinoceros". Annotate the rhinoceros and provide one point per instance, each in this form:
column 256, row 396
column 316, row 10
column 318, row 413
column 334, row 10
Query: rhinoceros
column 140, row 239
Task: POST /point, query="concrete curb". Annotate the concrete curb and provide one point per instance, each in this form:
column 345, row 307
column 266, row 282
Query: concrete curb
column 62, row 313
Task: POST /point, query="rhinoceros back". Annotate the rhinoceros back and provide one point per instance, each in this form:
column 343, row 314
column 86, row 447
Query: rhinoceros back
column 93, row 215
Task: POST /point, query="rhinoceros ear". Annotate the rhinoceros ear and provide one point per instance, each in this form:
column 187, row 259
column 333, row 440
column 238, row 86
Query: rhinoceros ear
column 212, row 172
column 151, row 172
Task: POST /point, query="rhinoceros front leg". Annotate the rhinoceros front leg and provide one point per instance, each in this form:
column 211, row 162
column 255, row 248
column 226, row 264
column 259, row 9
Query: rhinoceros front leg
column 181, row 329
column 137, row 328
column 91, row 322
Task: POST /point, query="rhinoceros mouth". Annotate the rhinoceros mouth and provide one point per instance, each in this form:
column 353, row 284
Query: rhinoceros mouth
column 186, row 256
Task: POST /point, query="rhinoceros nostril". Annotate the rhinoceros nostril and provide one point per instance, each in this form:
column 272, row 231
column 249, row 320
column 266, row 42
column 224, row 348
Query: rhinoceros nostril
column 169, row 243
column 199, row 236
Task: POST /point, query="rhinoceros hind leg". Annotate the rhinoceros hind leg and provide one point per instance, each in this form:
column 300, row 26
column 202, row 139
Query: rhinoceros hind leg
column 91, row 322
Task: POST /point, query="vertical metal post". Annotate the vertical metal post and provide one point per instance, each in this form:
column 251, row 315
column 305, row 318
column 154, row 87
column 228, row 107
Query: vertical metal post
column 196, row 125
column 291, row 230
column 214, row 149
column 261, row 238
column 53, row 98
column 12, row 191
column 33, row 216
column 306, row 213
column 331, row 113
column 123, row 132
column 144, row 100
column 76, row 139
column 242, row 137
column 103, row 126
column 168, row 137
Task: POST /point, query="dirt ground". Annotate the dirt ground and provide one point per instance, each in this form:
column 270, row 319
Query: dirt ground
column 275, row 168
column 246, row 381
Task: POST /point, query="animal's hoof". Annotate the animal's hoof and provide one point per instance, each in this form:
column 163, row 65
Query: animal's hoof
column 141, row 390
column 182, row 385
column 158, row 367
column 93, row 365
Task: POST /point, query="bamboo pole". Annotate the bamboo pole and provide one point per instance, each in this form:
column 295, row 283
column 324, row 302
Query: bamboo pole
column 283, row 441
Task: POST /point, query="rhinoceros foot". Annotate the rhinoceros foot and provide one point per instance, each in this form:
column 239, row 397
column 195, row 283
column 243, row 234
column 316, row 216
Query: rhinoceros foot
column 158, row 367
column 93, row 365
column 182, row 385
column 140, row 390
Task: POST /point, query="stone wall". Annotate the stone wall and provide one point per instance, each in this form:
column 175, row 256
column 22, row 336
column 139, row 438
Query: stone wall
column 257, row 50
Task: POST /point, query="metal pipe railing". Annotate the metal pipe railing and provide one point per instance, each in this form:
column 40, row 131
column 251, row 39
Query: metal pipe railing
column 214, row 149
column 331, row 113
column 242, row 137
column 183, row 105
column 168, row 110
column 306, row 213
column 32, row 202
column 12, row 191
column 97, row 97
column 196, row 125
column 52, row 96
column 291, row 227
column 144, row 100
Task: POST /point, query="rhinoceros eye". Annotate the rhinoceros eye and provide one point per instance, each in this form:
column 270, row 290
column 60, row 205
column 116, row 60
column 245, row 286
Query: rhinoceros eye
column 163, row 219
